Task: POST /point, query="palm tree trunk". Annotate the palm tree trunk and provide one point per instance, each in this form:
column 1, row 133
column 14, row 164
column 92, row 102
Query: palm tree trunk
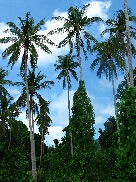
column 9, row 137
column 114, row 95
column 115, row 106
column 78, row 54
column 71, row 140
column 41, row 146
column 32, row 142
column 125, row 62
column 129, row 45
column 43, row 141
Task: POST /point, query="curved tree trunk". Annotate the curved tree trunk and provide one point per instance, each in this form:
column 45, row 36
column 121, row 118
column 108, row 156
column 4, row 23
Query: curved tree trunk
column 129, row 45
column 32, row 142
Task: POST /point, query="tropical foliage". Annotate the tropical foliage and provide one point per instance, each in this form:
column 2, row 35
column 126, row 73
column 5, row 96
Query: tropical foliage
column 78, row 156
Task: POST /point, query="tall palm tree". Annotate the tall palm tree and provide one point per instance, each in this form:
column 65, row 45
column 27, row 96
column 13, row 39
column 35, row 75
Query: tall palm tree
column 35, row 84
column 110, row 59
column 75, row 26
column 43, row 121
column 67, row 67
column 118, row 31
column 26, row 38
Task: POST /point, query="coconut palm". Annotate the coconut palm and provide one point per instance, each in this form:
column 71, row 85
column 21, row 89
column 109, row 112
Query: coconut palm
column 25, row 39
column 110, row 59
column 38, row 106
column 43, row 121
column 118, row 31
column 67, row 67
column 35, row 84
column 75, row 26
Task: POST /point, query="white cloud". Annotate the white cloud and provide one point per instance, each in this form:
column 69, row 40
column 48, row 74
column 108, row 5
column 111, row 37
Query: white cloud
column 98, row 9
column 55, row 132
column 99, row 119
column 59, row 108
column 22, row 117
column 109, row 110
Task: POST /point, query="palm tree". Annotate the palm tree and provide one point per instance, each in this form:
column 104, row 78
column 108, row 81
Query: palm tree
column 110, row 59
column 26, row 38
column 34, row 85
column 75, row 26
column 43, row 121
column 7, row 113
column 118, row 31
column 67, row 67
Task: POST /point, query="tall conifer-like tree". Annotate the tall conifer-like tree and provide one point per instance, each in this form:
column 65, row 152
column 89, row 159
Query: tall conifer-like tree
column 82, row 126
column 82, row 121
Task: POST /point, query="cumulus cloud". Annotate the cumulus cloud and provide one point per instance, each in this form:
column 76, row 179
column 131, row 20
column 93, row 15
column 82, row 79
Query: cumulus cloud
column 109, row 110
column 55, row 132
column 22, row 117
column 59, row 108
column 99, row 120
column 98, row 9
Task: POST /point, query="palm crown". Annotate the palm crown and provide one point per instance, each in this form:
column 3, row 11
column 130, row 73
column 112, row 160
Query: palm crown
column 67, row 67
column 26, row 38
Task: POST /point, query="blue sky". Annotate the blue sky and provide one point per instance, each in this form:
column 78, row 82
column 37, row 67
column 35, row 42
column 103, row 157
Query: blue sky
column 99, row 90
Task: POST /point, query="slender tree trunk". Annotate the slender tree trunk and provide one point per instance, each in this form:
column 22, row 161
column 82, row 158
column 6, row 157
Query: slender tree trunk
column 125, row 62
column 71, row 139
column 114, row 95
column 127, row 74
column 9, row 138
column 115, row 105
column 78, row 54
column 32, row 142
column 41, row 146
column 129, row 44
column 43, row 141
